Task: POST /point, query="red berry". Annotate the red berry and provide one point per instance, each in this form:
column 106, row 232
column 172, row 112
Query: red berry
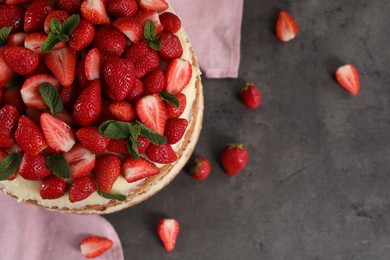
column 136, row 91
column 110, row 42
column 106, row 171
column 81, row 188
column 69, row 95
column 251, row 96
column 52, row 187
column 348, row 77
column 175, row 112
column 286, row 27
column 62, row 63
column 151, row 111
column 119, row 8
column 154, row 5
column 91, row 139
column 177, row 75
column 143, row 57
column 92, row 246
column 175, row 129
column 35, row 15
column 81, row 161
column 9, row 117
column 88, row 106
column 234, row 158
column 29, row 136
column 81, row 75
column 95, row 11
column 161, row 153
column 118, row 146
column 168, row 231
column 129, row 27
column 134, row 170
column 154, row 82
column 122, row 111
column 12, row 15
column 82, row 35
column 60, row 15
column 22, row 60
column 33, row 167
column 69, row 6
column 170, row 46
column 170, row 21
column 201, row 169
column 6, row 73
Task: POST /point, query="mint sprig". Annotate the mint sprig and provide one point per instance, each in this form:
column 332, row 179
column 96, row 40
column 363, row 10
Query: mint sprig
column 4, row 33
column 150, row 35
column 9, row 165
column 51, row 97
column 60, row 32
column 111, row 196
column 169, row 98
column 58, row 165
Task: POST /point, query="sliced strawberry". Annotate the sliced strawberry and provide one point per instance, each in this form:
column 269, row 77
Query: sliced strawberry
column 171, row 22
column 134, row 170
column 145, row 16
column 81, row 188
column 60, row 15
column 286, row 27
column 93, row 64
column 62, row 63
column 29, row 136
column 161, row 154
column 110, row 42
column 21, row 60
column 88, row 106
column 12, row 15
column 118, row 146
column 348, row 77
column 35, row 15
column 69, row 6
column 82, row 35
column 119, row 8
column 92, row 247
column 81, row 161
column 170, row 46
column 58, row 135
column 168, row 231
column 151, row 111
column 16, row 39
column 6, row 73
column 30, row 90
column 91, row 139
column 80, row 74
column 4, row 154
column 12, row 96
column 9, row 117
column 154, row 5
column 69, row 95
column 175, row 129
column 34, row 42
column 122, row 111
column 106, row 171
column 175, row 112
column 34, row 167
column 95, row 11
column 52, row 187
column 144, row 58
column 137, row 91
column 154, row 82
column 178, row 74
column 129, row 27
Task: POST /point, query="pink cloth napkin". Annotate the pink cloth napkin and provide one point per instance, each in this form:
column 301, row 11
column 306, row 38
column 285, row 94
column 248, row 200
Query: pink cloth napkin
column 29, row 232
column 214, row 29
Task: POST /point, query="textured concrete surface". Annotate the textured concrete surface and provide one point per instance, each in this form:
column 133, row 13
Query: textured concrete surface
column 318, row 183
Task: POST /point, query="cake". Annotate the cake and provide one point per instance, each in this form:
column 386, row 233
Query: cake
column 68, row 131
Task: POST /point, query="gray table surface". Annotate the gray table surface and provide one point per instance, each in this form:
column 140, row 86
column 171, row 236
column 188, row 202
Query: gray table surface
column 318, row 183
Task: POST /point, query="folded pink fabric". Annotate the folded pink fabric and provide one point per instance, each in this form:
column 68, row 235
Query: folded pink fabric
column 214, row 28
column 29, row 232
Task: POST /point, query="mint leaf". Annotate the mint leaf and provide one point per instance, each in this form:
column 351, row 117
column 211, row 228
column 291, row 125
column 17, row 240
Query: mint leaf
column 111, row 196
column 117, row 130
column 50, row 42
column 155, row 44
column 4, row 33
column 135, row 130
column 9, row 165
column 150, row 31
column 104, row 126
column 62, row 37
column 16, row 81
column 55, row 26
column 51, row 97
column 132, row 144
column 169, row 98
column 153, row 136
column 70, row 24
column 58, row 165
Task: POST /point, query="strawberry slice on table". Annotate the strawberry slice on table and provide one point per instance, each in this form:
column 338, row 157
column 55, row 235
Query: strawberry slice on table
column 348, row 77
column 154, row 5
column 81, row 161
column 234, row 158
column 175, row 129
column 110, row 42
column 29, row 136
column 52, row 187
column 119, row 8
column 122, row 111
column 170, row 21
column 81, row 188
column 286, row 27
column 106, row 171
column 82, row 35
column 30, row 90
column 22, row 60
column 150, row 110
column 147, row 15
column 95, row 11
column 4, row 154
column 161, row 153
column 93, row 246
column 16, row 39
column 178, row 74
column 93, row 64
column 144, row 58
column 6, row 73
column 34, row 41
column 58, row 135
column 175, row 112
column 33, row 167
column 168, row 231
column 129, row 27
column 69, row 6
column 35, row 15
column 9, row 117
column 62, row 63
column 12, row 15
column 135, row 170
column 60, row 15
column 91, row 139
column 88, row 106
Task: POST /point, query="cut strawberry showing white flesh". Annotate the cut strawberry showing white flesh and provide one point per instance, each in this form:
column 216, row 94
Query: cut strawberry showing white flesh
column 95, row 11
column 154, row 5
column 150, row 110
column 34, row 42
column 286, row 27
column 177, row 75
column 348, row 77
column 153, row 16
column 81, row 161
column 92, row 246
column 134, row 170
column 168, row 230
column 62, row 63
column 58, row 135
column 93, row 64
column 129, row 27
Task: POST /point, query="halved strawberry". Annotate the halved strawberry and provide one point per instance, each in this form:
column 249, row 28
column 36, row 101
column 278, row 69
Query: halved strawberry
column 52, row 187
column 154, row 5
column 91, row 139
column 175, row 112
column 81, row 188
column 161, row 153
column 62, row 63
column 21, row 60
column 286, row 27
column 29, row 136
column 60, row 15
column 16, row 39
column 150, row 110
column 81, row 161
column 129, row 27
column 175, row 129
column 134, row 170
column 35, row 15
column 9, row 117
column 88, row 106
column 4, row 154
column 348, row 77
column 92, row 246
column 145, row 16
column 33, row 167
column 168, row 231
column 93, row 64
column 59, row 135
column 34, row 42
column 82, row 35
column 119, row 8
column 178, row 74
column 30, row 90
column 106, row 171
column 95, row 11
column 122, row 111
column 6, row 73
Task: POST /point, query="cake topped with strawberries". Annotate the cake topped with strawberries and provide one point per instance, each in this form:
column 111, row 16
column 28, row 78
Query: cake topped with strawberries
column 101, row 102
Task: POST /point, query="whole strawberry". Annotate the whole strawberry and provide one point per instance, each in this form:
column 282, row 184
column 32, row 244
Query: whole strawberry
column 29, row 136
column 35, row 15
column 22, row 60
column 82, row 36
column 144, row 58
column 12, row 15
column 106, row 172
column 69, row 6
column 170, row 46
column 200, row 169
column 154, row 82
column 52, row 187
column 174, row 112
column 175, row 129
column 88, row 106
column 9, row 117
column 110, row 42
column 234, row 158
column 161, row 153
column 34, row 167
column 251, row 96
column 91, row 139
column 171, row 22
column 123, row 8
column 81, row 188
